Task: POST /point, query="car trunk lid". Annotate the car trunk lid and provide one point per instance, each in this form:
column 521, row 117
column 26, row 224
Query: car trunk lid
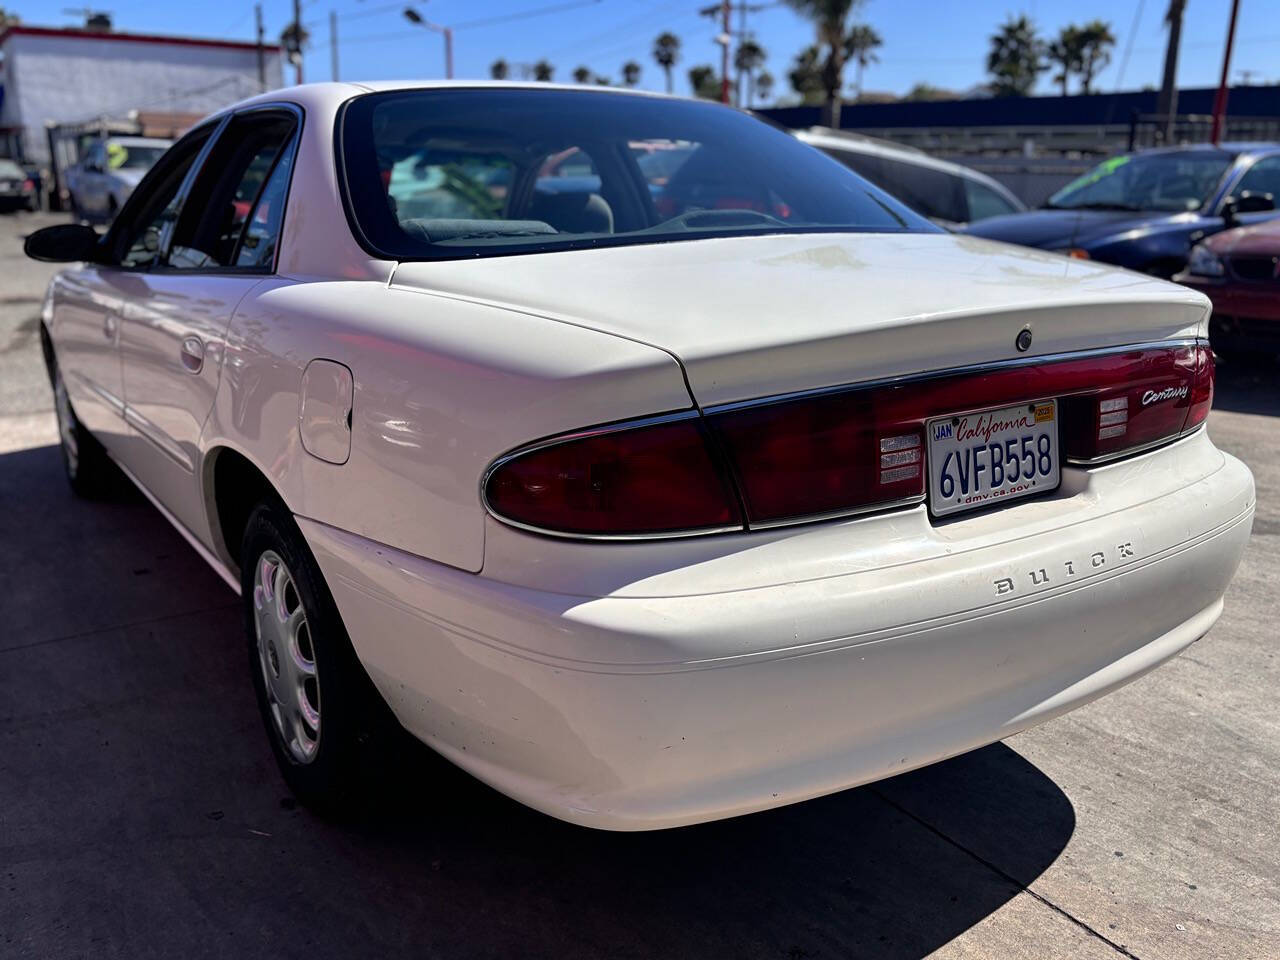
column 758, row 316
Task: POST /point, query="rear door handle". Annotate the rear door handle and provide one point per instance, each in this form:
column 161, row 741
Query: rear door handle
column 192, row 354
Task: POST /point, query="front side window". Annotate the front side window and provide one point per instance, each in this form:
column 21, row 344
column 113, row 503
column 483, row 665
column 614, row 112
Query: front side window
column 155, row 204
column 1262, row 177
column 435, row 174
column 1175, row 181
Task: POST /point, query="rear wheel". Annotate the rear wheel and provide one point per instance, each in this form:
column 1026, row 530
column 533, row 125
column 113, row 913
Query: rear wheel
column 322, row 713
column 89, row 470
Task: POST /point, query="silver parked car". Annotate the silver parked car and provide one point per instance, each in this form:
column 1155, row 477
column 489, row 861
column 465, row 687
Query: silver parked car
column 947, row 193
column 101, row 182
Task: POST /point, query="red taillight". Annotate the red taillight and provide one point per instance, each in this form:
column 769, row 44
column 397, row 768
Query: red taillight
column 28, row 185
column 856, row 449
column 652, row 479
column 833, row 452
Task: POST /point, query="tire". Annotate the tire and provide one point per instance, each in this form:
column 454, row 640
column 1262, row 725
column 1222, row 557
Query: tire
column 89, row 470
column 324, row 718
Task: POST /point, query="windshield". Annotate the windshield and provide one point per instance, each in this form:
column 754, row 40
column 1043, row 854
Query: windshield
column 1176, row 182
column 132, row 156
column 481, row 172
column 10, row 170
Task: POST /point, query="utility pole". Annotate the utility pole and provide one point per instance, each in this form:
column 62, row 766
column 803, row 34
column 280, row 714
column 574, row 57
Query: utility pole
column 297, row 26
column 262, row 53
column 725, row 39
column 333, row 43
column 1167, row 105
column 1220, row 101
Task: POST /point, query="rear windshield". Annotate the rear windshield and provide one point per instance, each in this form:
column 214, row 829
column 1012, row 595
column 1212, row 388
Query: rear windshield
column 482, row 172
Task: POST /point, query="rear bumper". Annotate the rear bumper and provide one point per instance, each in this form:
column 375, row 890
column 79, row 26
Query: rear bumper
column 774, row 669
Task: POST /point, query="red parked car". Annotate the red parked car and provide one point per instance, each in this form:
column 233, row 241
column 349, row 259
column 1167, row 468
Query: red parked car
column 1239, row 270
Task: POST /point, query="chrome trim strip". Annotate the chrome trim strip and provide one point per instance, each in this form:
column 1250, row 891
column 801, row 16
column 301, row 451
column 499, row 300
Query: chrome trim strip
column 839, row 514
column 971, row 370
column 148, row 431
column 1131, row 451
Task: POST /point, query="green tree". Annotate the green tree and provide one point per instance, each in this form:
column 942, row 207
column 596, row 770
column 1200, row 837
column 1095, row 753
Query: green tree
column 499, row 69
column 666, row 54
column 704, row 82
column 8, row 19
column 1016, row 58
column 631, row 73
column 805, row 75
column 582, row 74
column 764, row 86
column 543, row 71
column 862, row 42
column 747, row 60
column 1096, row 41
column 832, row 20
column 926, row 91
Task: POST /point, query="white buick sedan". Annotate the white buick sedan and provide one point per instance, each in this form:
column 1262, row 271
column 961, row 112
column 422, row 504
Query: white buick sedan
column 646, row 498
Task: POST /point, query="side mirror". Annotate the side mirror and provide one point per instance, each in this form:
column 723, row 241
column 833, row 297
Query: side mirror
column 1251, row 201
column 62, row 243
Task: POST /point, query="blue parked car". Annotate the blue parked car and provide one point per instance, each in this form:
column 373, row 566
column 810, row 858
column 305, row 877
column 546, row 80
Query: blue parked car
column 1146, row 210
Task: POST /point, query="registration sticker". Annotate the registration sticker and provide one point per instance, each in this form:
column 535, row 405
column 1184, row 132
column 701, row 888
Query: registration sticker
column 978, row 459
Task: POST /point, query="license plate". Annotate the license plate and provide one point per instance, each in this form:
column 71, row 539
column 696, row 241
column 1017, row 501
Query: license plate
column 977, row 459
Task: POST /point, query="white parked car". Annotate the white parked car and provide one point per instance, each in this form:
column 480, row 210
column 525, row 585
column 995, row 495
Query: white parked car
column 646, row 503
column 101, row 182
column 949, row 194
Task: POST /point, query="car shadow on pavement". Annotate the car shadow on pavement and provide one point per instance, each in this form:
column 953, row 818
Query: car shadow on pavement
column 1248, row 385
column 143, row 814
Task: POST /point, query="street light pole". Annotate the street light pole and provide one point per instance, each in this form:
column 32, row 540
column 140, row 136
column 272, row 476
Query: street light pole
column 413, row 16
column 1220, row 101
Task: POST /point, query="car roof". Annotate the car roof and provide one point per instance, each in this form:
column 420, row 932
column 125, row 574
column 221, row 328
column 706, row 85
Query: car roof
column 826, row 139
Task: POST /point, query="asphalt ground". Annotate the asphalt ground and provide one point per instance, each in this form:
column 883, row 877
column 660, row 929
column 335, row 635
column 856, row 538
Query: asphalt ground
column 141, row 814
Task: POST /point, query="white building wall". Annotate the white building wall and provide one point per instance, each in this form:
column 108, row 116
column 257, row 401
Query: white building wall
column 74, row 78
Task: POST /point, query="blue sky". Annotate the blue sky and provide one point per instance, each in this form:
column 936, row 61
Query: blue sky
column 932, row 41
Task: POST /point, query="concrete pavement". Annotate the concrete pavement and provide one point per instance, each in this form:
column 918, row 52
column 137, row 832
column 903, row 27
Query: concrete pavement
column 141, row 814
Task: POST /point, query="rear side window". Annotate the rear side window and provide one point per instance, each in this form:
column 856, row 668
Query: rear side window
column 262, row 230
column 985, row 202
column 932, row 192
column 216, row 213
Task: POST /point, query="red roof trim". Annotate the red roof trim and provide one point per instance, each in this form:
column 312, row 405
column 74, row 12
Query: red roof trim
column 78, row 33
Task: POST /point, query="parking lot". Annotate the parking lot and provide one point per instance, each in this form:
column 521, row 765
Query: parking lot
column 141, row 814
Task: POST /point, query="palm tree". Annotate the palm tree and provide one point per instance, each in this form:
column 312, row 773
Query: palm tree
column 831, row 19
column 749, row 58
column 764, row 85
column 1063, row 52
column 631, row 73
column 543, row 71
column 1016, row 58
column 704, row 82
column 582, row 74
column 861, row 43
column 1096, row 41
column 806, row 75
column 499, row 69
column 666, row 54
